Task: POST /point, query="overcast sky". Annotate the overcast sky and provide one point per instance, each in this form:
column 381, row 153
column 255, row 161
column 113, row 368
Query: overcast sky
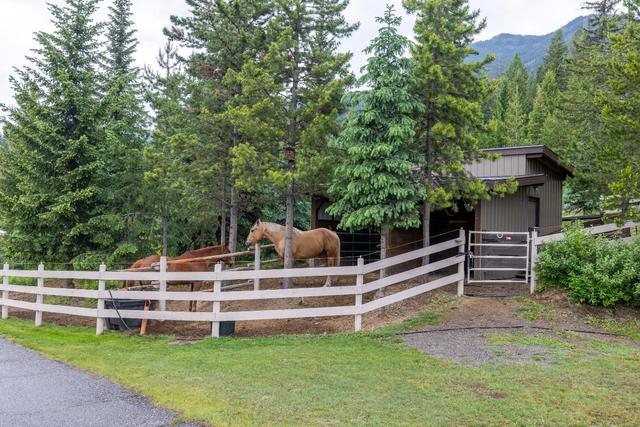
column 19, row 19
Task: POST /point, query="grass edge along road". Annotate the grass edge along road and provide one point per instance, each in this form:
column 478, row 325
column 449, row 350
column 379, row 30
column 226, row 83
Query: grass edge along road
column 348, row 379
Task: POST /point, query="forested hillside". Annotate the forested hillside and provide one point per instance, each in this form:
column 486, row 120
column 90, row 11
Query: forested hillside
column 531, row 49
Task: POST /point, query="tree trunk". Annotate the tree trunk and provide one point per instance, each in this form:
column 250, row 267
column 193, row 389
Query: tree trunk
column 288, row 235
column 233, row 223
column 383, row 271
column 233, row 214
column 426, row 233
column 223, row 215
column 68, row 283
column 165, row 229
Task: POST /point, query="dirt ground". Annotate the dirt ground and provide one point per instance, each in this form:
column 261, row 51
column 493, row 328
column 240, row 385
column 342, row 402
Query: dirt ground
column 548, row 309
column 393, row 314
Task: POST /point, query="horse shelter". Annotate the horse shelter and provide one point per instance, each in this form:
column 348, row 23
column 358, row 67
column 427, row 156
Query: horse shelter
column 499, row 228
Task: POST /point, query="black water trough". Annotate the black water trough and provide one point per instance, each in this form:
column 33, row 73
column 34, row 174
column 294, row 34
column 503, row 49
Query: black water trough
column 227, row 328
column 117, row 324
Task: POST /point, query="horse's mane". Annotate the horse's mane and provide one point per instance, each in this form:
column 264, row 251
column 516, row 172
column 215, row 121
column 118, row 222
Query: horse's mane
column 272, row 225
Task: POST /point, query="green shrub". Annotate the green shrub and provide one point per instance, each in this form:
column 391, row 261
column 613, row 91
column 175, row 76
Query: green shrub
column 595, row 270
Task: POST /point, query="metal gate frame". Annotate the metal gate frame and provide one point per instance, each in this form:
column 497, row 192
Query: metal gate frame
column 471, row 265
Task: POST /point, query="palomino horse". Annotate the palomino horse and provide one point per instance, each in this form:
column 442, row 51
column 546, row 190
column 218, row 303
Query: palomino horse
column 190, row 266
column 320, row 242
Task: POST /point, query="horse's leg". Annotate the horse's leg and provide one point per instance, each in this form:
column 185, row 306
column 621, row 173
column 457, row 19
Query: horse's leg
column 331, row 262
column 192, row 288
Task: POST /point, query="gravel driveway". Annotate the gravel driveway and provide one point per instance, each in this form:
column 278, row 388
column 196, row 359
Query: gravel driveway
column 35, row 391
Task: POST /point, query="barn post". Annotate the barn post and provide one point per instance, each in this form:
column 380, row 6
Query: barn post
column 534, row 256
column 461, row 245
column 256, row 266
column 102, row 285
column 5, row 293
column 163, row 282
column 217, row 288
column 359, row 285
column 40, row 297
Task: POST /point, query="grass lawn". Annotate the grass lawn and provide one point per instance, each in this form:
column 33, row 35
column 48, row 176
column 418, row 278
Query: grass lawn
column 352, row 379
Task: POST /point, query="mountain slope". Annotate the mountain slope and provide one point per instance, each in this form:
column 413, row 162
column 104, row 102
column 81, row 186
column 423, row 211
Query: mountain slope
column 532, row 49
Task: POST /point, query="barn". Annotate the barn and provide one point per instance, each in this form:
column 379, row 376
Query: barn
column 537, row 204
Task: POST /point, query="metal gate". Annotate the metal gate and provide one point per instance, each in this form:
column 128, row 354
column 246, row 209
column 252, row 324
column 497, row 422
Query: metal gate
column 496, row 255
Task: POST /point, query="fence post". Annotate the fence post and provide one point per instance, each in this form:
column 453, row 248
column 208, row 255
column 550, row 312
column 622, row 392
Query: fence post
column 163, row 282
column 359, row 285
column 40, row 297
column 5, row 293
column 217, row 288
column 101, row 288
column 256, row 266
column 461, row 247
column 534, row 256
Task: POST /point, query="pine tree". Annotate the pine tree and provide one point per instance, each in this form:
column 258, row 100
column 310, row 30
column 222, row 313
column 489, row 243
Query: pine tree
column 514, row 126
column 584, row 141
column 516, row 78
column 223, row 34
column 622, row 119
column 603, row 21
column 375, row 184
column 168, row 154
column 545, row 110
column 54, row 196
column 632, row 13
column 127, row 119
column 302, row 79
column 452, row 90
column 556, row 60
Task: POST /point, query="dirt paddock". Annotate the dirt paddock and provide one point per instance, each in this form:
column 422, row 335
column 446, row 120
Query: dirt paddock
column 392, row 314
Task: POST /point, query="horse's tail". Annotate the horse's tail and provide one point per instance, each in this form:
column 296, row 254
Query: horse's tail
column 336, row 254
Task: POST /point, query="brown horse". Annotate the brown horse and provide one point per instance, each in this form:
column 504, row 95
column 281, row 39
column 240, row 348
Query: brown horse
column 196, row 266
column 320, row 242
column 146, row 262
column 191, row 266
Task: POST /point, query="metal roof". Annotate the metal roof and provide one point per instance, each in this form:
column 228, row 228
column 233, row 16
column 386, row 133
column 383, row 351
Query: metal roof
column 540, row 152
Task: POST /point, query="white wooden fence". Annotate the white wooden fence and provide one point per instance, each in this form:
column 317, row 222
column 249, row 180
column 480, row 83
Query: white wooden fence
column 216, row 315
column 537, row 241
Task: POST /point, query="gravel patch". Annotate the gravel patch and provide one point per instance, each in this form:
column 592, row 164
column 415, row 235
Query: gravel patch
column 470, row 347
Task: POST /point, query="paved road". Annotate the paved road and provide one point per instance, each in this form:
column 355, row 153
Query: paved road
column 35, row 391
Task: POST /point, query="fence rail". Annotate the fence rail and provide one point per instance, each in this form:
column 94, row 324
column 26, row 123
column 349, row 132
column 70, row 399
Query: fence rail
column 219, row 294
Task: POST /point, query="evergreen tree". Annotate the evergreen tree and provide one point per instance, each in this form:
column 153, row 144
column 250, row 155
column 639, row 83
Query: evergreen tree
column 375, row 184
column 584, row 142
column 632, row 10
column 223, row 34
column 544, row 113
column 515, row 80
column 556, row 61
column 622, row 119
column 167, row 157
column 127, row 119
column 604, row 21
column 54, row 196
column 514, row 126
column 452, row 90
column 302, row 79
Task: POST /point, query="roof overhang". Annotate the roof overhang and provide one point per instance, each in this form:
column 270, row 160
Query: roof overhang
column 521, row 180
column 538, row 152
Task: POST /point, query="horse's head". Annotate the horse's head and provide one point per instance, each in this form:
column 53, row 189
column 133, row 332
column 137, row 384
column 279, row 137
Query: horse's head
column 256, row 234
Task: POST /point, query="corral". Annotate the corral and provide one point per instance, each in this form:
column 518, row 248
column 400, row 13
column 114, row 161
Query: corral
column 360, row 293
